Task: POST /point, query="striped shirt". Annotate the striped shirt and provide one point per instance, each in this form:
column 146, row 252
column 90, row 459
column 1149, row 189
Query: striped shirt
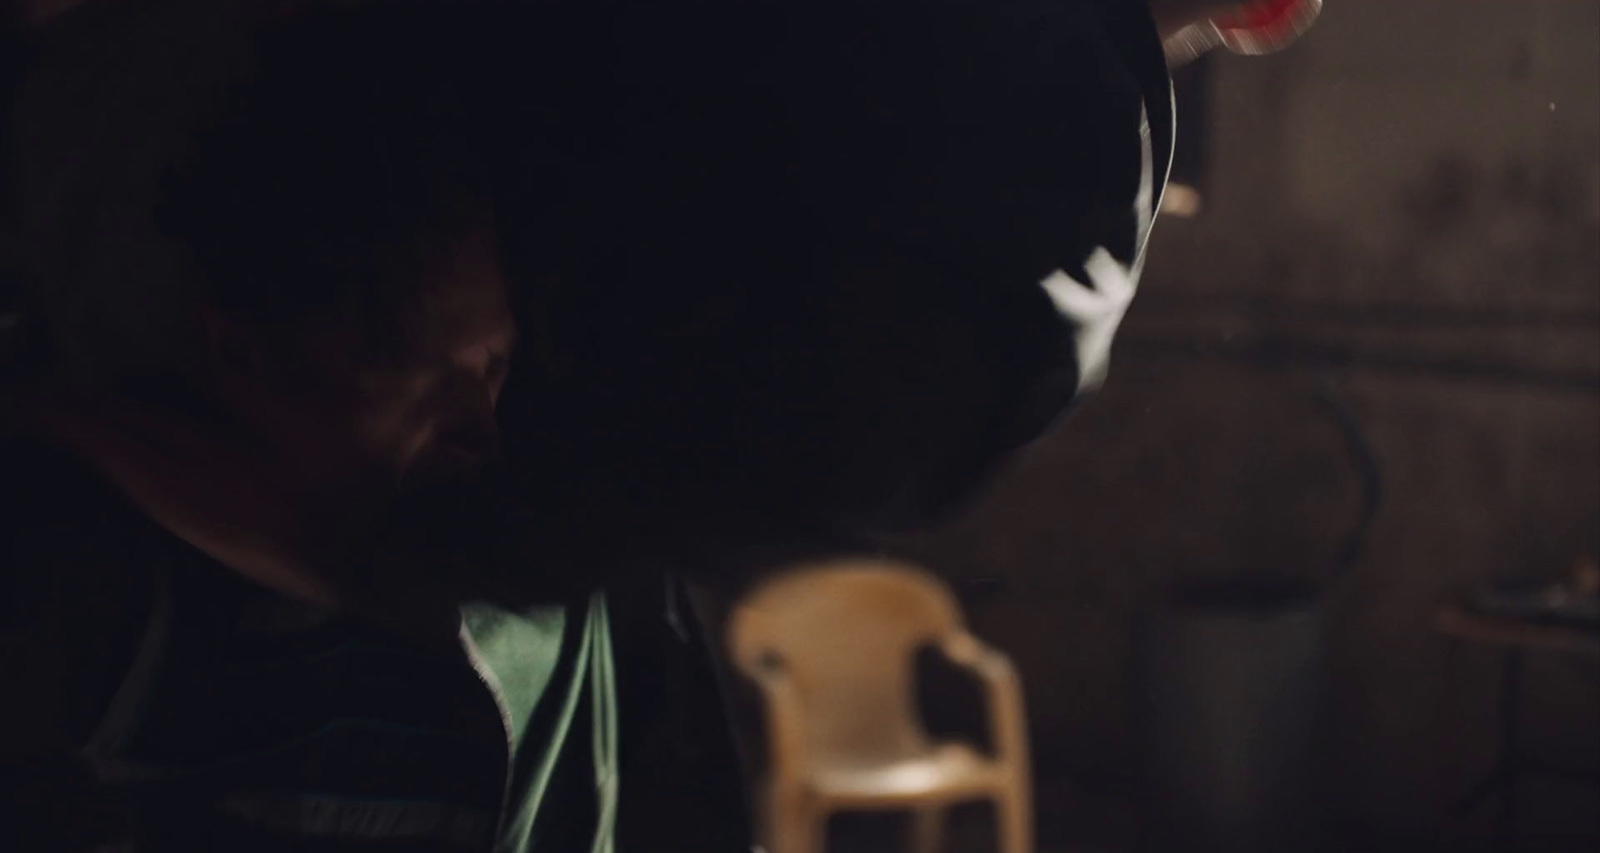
column 246, row 722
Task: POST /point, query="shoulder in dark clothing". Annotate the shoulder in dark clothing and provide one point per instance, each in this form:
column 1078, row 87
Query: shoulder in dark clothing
column 76, row 581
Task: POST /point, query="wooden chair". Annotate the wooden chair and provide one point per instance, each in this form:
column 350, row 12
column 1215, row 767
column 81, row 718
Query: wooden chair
column 832, row 648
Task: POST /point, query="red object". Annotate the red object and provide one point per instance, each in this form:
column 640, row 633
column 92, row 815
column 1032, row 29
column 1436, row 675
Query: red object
column 1267, row 25
column 1262, row 15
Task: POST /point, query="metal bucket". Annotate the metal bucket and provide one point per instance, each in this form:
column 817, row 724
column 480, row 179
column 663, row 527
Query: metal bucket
column 1231, row 679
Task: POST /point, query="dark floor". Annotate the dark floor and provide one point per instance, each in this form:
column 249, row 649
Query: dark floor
column 1072, row 820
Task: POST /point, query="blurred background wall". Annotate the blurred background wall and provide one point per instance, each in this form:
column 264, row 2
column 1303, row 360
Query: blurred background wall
column 1401, row 214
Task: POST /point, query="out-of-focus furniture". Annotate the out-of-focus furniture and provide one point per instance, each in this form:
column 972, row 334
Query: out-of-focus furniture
column 832, row 648
column 1514, row 638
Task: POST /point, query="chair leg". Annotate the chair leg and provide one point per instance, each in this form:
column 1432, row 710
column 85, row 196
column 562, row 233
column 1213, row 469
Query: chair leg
column 796, row 826
column 927, row 829
column 1016, row 821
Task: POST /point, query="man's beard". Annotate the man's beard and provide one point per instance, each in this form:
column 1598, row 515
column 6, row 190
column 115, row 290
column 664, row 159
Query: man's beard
column 455, row 459
column 474, row 533
column 518, row 541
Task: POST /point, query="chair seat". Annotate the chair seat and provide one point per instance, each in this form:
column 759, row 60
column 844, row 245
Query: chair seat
column 949, row 770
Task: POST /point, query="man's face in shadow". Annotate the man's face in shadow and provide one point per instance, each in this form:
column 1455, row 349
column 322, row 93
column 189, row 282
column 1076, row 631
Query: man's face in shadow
column 403, row 404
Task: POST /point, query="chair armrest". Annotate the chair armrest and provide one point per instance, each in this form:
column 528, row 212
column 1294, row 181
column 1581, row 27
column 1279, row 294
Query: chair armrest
column 1003, row 691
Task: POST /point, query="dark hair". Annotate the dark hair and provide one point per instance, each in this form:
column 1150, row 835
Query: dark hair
column 331, row 177
column 782, row 213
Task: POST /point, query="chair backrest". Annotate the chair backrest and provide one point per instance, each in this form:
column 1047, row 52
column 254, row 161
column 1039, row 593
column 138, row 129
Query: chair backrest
column 845, row 634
